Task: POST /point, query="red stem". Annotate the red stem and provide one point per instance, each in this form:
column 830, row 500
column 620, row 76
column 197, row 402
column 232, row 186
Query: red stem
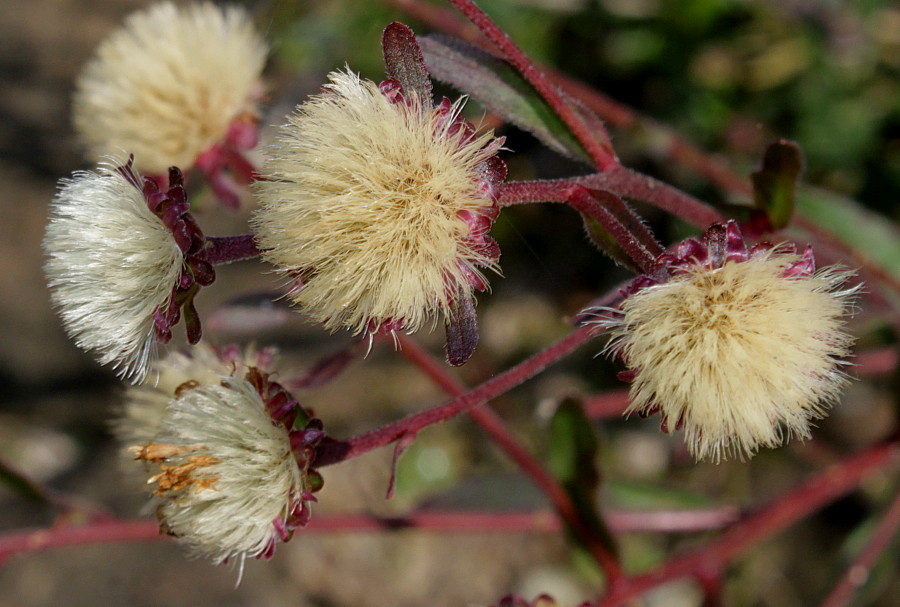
column 600, row 152
column 590, row 203
column 338, row 451
column 822, row 489
column 92, row 533
column 875, row 362
column 606, row 405
column 620, row 181
column 675, row 148
column 858, row 572
column 491, row 423
column 226, row 249
column 142, row 530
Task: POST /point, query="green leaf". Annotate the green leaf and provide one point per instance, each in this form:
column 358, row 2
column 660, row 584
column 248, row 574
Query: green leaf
column 775, row 182
column 572, row 458
column 646, row 496
column 604, row 241
column 21, row 484
column 870, row 234
column 499, row 88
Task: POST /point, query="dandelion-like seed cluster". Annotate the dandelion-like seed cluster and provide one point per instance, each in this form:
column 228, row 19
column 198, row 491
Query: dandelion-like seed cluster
column 229, row 482
column 377, row 207
column 112, row 264
column 169, row 84
column 740, row 353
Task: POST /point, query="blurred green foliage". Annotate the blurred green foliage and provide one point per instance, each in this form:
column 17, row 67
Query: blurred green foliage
column 730, row 75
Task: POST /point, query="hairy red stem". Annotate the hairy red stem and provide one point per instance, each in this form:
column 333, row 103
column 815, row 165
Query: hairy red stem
column 642, row 251
column 600, row 151
column 620, row 181
column 858, row 572
column 226, row 249
column 491, row 423
column 796, row 504
column 338, row 451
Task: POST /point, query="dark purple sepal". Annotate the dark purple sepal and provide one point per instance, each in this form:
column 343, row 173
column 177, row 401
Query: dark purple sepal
column 192, row 322
column 494, row 170
column 462, row 331
column 716, row 244
column 735, row 246
column 202, row 271
column 404, row 62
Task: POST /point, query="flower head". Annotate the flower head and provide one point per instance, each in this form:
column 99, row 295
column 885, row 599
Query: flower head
column 740, row 348
column 124, row 257
column 142, row 412
column 378, row 206
column 170, row 84
column 233, row 480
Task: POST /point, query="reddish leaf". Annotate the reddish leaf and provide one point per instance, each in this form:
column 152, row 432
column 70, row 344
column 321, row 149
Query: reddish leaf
column 404, row 62
column 462, row 331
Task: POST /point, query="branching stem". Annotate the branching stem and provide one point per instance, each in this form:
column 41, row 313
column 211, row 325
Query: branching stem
column 597, row 145
column 339, row 451
column 491, row 423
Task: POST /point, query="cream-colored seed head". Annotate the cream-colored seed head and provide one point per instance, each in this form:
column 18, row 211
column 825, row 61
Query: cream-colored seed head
column 228, row 470
column 742, row 355
column 168, row 84
column 144, row 405
column 364, row 195
column 111, row 264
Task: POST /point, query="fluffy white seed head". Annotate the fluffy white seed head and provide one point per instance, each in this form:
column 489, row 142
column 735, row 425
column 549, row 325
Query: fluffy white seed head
column 227, row 470
column 111, row 264
column 167, row 85
column 741, row 355
column 362, row 198
column 140, row 418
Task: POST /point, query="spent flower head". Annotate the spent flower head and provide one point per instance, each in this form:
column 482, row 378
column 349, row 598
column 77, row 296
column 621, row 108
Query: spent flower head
column 143, row 409
column 124, row 258
column 170, row 84
column 233, row 478
column 740, row 348
column 377, row 205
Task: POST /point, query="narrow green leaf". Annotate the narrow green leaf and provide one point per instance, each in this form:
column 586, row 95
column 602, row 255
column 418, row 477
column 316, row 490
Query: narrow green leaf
column 500, row 89
column 604, row 241
column 572, row 458
column 21, row 484
column 775, row 182
column 872, row 235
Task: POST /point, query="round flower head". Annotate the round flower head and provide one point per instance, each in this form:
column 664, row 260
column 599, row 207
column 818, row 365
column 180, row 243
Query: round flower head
column 125, row 259
column 170, row 84
column 378, row 206
column 739, row 348
column 233, row 479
